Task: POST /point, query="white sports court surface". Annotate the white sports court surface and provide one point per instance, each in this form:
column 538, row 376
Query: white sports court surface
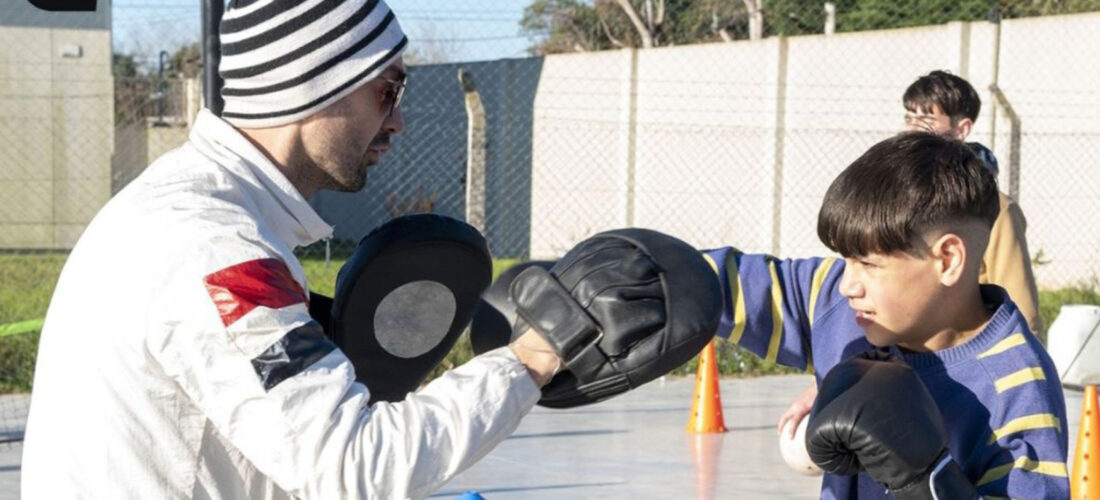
column 630, row 447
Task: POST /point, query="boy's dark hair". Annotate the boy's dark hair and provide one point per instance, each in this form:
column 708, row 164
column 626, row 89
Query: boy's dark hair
column 954, row 95
column 899, row 189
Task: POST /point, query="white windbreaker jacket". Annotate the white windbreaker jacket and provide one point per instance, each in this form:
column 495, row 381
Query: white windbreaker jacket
column 178, row 359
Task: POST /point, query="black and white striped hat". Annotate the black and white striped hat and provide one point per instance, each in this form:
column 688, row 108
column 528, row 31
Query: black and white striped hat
column 283, row 60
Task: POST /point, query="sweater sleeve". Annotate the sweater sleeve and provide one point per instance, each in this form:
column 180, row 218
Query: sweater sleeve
column 1025, row 453
column 770, row 304
column 1007, row 263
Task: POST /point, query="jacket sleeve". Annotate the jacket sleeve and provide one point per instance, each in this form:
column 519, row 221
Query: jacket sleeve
column 770, row 305
column 242, row 347
column 1007, row 263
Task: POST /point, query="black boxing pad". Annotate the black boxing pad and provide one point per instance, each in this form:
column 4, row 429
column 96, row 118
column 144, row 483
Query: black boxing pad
column 320, row 309
column 495, row 314
column 621, row 308
column 403, row 298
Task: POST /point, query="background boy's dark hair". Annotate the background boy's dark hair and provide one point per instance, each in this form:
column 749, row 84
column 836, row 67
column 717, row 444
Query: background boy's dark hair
column 899, row 189
column 954, row 95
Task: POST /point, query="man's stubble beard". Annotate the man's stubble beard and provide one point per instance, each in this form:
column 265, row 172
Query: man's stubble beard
column 333, row 174
column 349, row 180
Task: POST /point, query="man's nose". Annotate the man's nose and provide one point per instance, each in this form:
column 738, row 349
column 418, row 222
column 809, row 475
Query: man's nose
column 395, row 122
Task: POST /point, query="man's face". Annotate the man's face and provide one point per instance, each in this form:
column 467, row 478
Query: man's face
column 933, row 120
column 893, row 296
column 352, row 134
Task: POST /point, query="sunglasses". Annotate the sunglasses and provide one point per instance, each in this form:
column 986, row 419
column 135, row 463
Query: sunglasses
column 391, row 97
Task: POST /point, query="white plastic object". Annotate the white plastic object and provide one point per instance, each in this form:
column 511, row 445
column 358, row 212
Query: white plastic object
column 794, row 450
column 1073, row 341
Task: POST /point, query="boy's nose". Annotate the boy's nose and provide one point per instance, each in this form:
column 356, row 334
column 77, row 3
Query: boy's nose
column 850, row 287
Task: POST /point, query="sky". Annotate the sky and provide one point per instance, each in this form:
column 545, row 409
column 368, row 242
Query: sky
column 460, row 30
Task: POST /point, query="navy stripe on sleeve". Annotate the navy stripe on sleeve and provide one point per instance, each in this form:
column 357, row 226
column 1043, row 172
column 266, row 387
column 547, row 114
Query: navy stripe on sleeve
column 292, row 354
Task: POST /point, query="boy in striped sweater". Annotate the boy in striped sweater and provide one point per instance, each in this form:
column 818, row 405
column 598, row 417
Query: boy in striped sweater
column 912, row 217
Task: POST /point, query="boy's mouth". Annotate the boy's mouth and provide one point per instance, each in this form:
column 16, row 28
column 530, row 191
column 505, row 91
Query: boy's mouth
column 864, row 318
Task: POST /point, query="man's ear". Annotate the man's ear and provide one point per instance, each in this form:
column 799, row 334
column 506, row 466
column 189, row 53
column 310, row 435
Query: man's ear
column 963, row 127
column 949, row 253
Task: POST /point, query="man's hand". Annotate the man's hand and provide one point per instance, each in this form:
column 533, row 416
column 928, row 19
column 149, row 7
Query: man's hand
column 798, row 410
column 537, row 355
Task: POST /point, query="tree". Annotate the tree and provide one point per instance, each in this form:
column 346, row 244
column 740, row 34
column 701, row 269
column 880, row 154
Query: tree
column 185, row 62
column 578, row 26
column 796, row 17
column 569, row 26
column 123, row 65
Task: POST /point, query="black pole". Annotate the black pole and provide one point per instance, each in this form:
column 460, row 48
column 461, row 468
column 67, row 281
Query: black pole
column 162, row 88
column 211, row 54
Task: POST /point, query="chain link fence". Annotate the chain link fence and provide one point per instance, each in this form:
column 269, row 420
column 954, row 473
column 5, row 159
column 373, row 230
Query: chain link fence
column 719, row 121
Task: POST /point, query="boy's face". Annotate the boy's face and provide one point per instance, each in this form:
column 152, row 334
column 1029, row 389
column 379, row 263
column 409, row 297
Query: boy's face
column 893, row 296
column 934, row 120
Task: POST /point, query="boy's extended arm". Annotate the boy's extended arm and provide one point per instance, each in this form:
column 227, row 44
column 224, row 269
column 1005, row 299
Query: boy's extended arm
column 769, row 304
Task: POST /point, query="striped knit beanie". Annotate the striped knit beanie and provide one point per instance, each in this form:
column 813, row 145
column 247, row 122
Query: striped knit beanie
column 283, row 60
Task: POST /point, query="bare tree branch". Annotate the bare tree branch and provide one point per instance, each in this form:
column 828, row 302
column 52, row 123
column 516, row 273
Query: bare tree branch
column 756, row 18
column 607, row 32
column 643, row 32
column 581, row 42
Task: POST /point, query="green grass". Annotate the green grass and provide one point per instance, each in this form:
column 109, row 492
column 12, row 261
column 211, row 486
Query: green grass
column 27, row 282
column 321, row 277
column 17, row 355
column 1051, row 301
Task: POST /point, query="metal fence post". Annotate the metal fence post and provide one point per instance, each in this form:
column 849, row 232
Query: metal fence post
column 475, row 151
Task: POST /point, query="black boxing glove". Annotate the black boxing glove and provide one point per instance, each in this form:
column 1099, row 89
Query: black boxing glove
column 873, row 413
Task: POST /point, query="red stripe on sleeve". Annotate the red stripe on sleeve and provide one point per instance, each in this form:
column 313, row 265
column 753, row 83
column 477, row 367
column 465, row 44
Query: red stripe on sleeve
column 241, row 288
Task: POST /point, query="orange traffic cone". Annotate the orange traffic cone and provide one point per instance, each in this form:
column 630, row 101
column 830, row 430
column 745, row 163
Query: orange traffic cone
column 1085, row 481
column 706, row 408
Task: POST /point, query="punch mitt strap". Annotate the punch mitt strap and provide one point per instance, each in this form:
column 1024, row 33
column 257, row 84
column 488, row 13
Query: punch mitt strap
column 495, row 313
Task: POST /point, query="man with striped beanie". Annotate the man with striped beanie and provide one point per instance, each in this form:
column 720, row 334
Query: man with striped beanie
column 179, row 359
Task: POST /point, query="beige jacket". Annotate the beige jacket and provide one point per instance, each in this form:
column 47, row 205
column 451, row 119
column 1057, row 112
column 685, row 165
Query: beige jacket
column 1007, row 262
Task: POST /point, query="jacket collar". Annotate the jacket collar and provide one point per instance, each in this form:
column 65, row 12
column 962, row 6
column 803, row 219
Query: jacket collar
column 290, row 216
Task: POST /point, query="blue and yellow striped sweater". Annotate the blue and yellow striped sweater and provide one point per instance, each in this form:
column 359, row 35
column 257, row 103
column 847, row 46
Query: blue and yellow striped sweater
column 999, row 394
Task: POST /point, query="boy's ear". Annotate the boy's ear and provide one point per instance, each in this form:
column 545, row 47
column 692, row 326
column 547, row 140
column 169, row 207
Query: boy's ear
column 949, row 253
column 963, row 128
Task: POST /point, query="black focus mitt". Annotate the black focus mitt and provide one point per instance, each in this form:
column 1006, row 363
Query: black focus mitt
column 621, row 309
column 404, row 297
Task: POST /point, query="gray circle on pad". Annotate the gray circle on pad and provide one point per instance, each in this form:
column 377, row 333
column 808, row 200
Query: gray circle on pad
column 414, row 318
